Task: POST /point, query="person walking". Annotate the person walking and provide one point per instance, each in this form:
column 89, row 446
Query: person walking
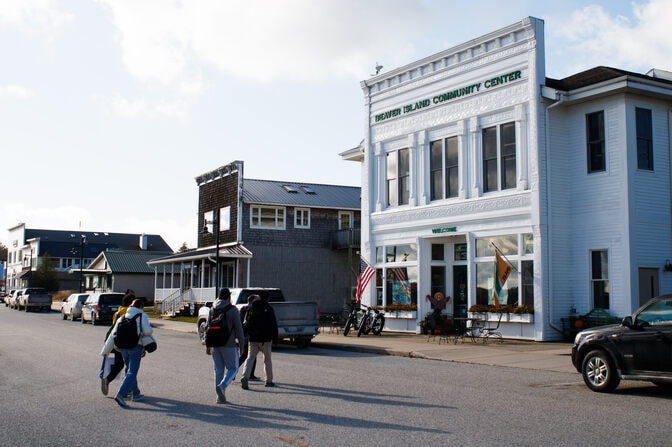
column 131, row 356
column 118, row 364
column 243, row 317
column 225, row 357
column 262, row 329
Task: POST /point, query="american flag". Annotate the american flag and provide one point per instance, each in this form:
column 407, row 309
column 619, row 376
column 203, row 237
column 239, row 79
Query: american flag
column 364, row 275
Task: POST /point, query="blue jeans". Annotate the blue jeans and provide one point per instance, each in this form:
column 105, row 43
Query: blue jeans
column 225, row 357
column 132, row 359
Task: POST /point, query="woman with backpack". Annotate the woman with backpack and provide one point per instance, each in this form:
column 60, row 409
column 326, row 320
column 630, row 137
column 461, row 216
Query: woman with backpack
column 131, row 352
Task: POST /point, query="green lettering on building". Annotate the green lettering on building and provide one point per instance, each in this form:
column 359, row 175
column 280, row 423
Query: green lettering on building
column 444, row 230
column 449, row 95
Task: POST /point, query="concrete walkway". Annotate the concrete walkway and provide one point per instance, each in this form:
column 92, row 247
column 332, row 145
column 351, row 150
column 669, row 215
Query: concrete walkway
column 548, row 356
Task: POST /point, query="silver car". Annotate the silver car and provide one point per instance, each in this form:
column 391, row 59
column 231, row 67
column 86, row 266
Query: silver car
column 72, row 307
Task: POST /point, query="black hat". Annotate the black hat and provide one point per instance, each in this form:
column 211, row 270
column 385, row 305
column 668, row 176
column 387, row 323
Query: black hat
column 225, row 293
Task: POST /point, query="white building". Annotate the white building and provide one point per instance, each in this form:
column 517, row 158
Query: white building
column 474, row 148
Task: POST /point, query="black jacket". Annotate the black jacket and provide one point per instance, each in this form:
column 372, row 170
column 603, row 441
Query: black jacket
column 261, row 325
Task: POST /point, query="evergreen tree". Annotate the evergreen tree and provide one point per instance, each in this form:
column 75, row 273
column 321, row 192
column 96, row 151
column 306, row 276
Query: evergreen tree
column 45, row 275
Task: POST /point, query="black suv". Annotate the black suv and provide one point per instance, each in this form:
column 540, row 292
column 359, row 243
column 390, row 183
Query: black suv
column 637, row 349
column 99, row 307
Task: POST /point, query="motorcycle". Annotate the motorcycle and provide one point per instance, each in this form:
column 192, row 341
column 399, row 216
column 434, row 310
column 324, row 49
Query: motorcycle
column 372, row 321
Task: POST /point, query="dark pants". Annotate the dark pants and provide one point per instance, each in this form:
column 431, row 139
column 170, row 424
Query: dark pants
column 117, row 367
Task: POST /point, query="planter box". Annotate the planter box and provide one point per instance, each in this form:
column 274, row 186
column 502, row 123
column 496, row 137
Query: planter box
column 402, row 314
column 506, row 318
column 521, row 318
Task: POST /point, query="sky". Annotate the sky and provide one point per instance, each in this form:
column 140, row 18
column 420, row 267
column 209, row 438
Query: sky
column 109, row 109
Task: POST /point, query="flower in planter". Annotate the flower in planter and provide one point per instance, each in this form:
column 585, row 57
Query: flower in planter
column 523, row 309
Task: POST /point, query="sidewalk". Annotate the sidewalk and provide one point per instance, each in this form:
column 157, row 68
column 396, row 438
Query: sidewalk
column 546, row 356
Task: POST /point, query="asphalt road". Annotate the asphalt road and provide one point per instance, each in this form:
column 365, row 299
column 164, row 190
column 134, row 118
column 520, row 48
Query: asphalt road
column 51, row 397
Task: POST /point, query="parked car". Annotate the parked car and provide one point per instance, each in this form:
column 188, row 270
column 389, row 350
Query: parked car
column 36, row 298
column 298, row 321
column 72, row 307
column 8, row 297
column 100, row 306
column 636, row 349
column 14, row 299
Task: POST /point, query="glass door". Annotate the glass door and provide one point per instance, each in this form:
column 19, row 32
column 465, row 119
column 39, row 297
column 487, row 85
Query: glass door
column 460, row 291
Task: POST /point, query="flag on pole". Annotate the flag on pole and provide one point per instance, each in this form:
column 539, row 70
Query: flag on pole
column 502, row 271
column 364, row 275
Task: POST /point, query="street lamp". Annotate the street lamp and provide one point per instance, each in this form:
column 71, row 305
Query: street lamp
column 215, row 228
column 82, row 241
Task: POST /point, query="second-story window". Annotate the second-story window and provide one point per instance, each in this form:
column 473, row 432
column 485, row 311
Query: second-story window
column 345, row 220
column 499, row 157
column 444, row 168
column 302, row 218
column 268, row 217
column 595, row 142
column 644, row 139
column 398, row 177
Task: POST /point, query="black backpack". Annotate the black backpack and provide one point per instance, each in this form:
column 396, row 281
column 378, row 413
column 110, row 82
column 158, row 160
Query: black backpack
column 260, row 323
column 127, row 335
column 217, row 331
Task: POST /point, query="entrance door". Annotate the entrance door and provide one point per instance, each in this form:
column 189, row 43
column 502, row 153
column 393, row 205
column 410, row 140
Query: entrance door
column 648, row 284
column 460, row 291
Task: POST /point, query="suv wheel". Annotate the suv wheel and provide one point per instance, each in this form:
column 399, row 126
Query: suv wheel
column 598, row 372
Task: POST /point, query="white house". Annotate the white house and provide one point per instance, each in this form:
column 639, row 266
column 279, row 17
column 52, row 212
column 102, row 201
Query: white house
column 474, row 149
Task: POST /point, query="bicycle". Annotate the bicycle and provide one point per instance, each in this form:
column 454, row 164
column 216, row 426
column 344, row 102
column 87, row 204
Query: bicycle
column 373, row 321
column 354, row 320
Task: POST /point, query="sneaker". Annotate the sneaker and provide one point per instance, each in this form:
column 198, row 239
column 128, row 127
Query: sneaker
column 104, row 386
column 221, row 397
column 243, row 384
column 120, row 400
column 270, row 384
column 138, row 397
column 255, row 378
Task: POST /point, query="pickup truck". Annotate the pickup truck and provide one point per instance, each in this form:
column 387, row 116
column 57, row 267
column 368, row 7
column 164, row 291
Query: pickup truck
column 298, row 321
column 34, row 298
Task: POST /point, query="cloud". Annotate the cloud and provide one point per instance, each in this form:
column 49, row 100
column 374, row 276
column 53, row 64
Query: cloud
column 148, row 108
column 170, row 42
column 34, row 16
column 636, row 44
column 15, row 91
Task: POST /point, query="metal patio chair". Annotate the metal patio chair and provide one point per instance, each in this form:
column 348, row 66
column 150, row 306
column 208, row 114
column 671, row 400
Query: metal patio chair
column 492, row 330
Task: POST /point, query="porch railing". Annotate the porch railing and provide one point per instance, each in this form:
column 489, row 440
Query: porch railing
column 173, row 302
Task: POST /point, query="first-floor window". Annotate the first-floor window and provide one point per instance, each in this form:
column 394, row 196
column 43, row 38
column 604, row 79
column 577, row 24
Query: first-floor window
column 267, row 217
column 397, row 285
column 599, row 261
column 515, row 249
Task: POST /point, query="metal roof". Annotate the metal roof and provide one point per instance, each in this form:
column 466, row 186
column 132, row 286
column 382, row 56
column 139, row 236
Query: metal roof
column 130, row 261
column 66, row 244
column 310, row 195
column 225, row 251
